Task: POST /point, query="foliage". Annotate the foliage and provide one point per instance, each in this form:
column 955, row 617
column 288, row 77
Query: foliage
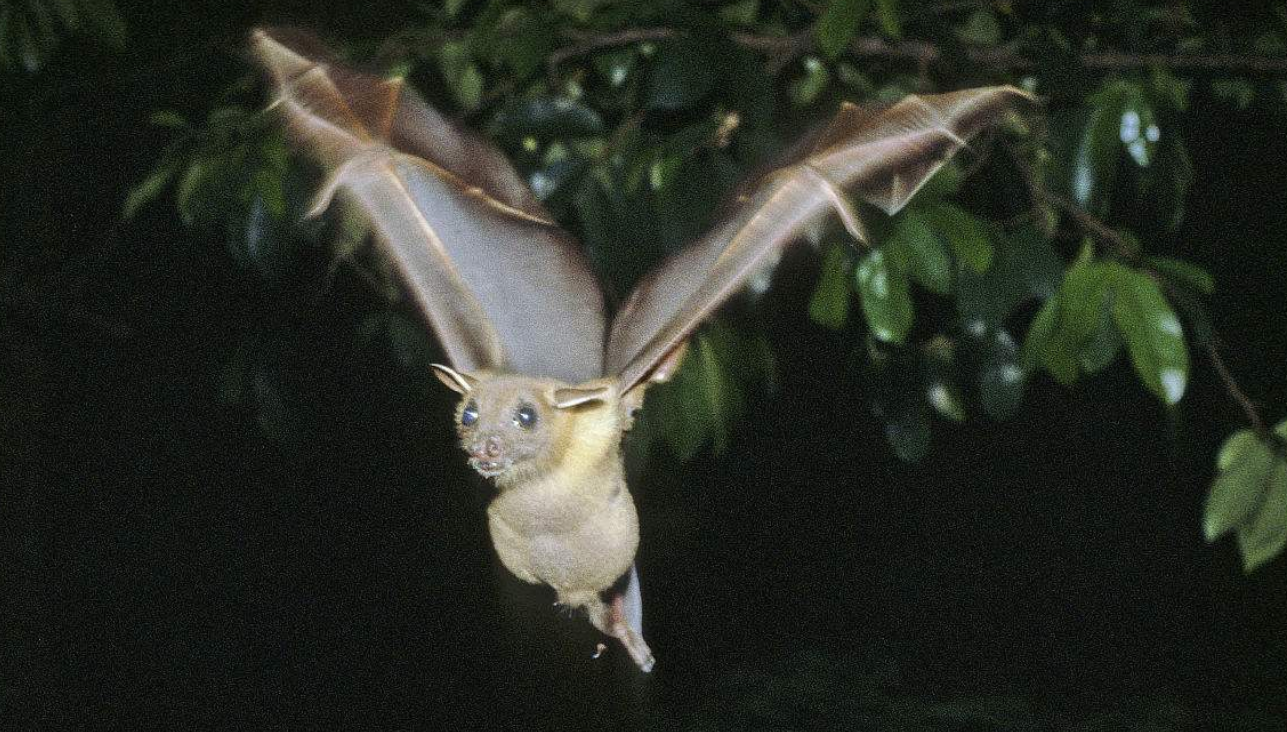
column 31, row 31
column 1051, row 248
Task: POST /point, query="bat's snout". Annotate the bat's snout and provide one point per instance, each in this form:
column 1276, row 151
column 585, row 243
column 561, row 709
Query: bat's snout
column 487, row 455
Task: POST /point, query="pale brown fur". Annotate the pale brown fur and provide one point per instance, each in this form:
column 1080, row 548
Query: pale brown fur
column 563, row 515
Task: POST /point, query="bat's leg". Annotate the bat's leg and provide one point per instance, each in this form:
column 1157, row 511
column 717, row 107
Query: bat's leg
column 613, row 620
column 629, row 637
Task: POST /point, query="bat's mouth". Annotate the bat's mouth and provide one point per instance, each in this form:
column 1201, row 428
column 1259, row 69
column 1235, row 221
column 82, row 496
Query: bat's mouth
column 489, row 468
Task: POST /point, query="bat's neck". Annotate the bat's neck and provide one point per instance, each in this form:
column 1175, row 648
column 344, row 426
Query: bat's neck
column 583, row 475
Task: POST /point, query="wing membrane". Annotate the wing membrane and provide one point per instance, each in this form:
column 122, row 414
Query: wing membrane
column 502, row 286
column 883, row 156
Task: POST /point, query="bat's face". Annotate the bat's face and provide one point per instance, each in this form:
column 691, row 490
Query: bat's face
column 519, row 427
column 505, row 426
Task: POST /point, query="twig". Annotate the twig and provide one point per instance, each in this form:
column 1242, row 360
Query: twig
column 1093, row 227
column 783, row 49
column 1235, row 391
column 586, row 43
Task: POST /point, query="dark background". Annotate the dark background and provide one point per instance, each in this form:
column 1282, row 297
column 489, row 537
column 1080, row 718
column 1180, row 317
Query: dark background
column 163, row 561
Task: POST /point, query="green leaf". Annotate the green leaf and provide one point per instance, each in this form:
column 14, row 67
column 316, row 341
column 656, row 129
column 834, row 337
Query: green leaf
column 1068, row 334
column 33, row 40
column 1101, row 348
column 1095, row 154
column 1238, row 92
column 148, row 189
column 67, row 13
column 885, row 296
column 964, row 232
column 580, row 10
column 1264, row 536
column 838, row 23
column 1042, row 348
column 461, row 74
column 549, row 117
column 1023, row 265
column 1082, row 296
column 740, row 13
column 813, row 82
column 1244, row 464
column 706, row 398
column 185, row 195
column 1001, row 378
column 469, row 88
column 1153, row 334
column 515, row 37
column 1249, row 495
column 1138, row 128
column 168, row 119
column 945, row 182
column 891, row 23
column 829, row 306
column 908, row 432
column 616, row 66
column 920, row 246
column 103, row 22
column 980, row 29
column 681, row 75
column 1183, row 273
column 1236, row 448
column 942, row 390
column 1169, row 89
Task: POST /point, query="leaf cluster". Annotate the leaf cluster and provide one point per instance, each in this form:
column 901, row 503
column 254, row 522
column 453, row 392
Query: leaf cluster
column 1048, row 248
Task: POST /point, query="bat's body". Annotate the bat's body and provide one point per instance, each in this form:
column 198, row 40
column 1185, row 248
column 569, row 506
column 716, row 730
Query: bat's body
column 563, row 516
column 547, row 387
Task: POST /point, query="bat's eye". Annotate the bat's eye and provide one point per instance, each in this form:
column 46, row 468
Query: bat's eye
column 525, row 417
column 469, row 415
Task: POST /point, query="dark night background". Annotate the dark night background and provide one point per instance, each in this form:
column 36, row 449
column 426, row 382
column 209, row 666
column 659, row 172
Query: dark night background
column 163, row 562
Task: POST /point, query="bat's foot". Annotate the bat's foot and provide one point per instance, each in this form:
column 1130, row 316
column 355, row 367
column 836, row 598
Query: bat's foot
column 613, row 620
column 632, row 640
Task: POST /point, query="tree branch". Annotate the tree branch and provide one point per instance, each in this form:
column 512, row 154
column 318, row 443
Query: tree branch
column 1235, row 391
column 587, row 43
column 784, row 49
column 1097, row 230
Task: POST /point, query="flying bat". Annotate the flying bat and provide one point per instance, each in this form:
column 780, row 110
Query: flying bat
column 548, row 383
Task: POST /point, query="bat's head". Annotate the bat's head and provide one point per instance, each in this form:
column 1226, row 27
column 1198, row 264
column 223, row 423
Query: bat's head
column 518, row 427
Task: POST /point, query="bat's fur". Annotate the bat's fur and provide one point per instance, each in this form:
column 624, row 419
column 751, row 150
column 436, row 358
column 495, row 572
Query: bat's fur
column 563, row 516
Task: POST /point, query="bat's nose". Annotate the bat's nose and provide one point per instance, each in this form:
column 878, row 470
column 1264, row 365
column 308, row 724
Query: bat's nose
column 486, row 448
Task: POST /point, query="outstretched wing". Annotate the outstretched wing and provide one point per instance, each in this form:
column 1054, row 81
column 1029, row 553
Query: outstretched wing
column 882, row 155
column 501, row 285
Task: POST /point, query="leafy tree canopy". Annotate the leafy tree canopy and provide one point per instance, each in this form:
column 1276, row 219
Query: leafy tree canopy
column 1054, row 249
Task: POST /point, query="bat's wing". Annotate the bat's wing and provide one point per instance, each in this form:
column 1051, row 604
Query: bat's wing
column 882, row 155
column 501, row 285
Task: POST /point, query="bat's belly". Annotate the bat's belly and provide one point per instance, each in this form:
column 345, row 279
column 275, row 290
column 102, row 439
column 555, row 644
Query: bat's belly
column 589, row 554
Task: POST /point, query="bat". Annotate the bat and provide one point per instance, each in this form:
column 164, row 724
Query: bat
column 549, row 384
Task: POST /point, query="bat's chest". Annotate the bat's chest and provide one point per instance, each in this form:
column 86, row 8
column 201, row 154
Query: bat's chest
column 569, row 545
column 555, row 505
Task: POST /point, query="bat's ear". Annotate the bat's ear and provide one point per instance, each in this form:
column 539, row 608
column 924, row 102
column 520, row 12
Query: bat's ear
column 566, row 397
column 453, row 379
